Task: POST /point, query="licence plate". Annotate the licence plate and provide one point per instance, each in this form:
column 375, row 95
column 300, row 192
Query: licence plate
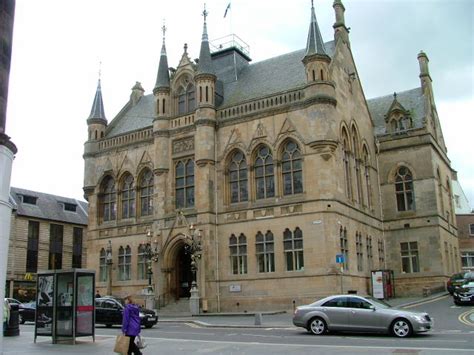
column 152, row 319
column 465, row 298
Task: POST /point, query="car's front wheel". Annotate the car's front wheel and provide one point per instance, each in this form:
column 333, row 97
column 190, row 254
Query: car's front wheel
column 401, row 328
column 317, row 326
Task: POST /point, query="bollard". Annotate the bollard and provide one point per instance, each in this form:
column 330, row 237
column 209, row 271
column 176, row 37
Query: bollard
column 258, row 318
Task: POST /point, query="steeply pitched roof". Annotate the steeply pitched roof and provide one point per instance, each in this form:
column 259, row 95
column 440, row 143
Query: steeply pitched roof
column 49, row 207
column 315, row 44
column 97, row 111
column 412, row 100
column 163, row 76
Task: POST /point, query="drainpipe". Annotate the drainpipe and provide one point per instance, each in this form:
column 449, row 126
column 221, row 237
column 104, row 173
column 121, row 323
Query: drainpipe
column 216, row 237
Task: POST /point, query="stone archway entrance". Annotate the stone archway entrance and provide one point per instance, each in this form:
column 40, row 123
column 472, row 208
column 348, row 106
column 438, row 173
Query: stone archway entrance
column 183, row 274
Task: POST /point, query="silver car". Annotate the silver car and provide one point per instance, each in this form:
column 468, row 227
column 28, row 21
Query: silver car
column 359, row 314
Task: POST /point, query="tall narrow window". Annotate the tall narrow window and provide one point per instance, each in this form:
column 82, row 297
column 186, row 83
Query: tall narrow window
column 344, row 245
column 77, row 247
column 446, row 257
column 292, row 171
column 404, row 189
column 409, row 254
column 440, row 192
column 142, row 261
column 238, row 178
column 238, row 254
column 108, row 200
column 55, row 246
column 264, row 173
column 184, row 175
column 186, row 99
column 146, row 193
column 369, row 252
column 124, row 263
column 265, row 252
column 32, row 251
column 368, row 185
column 102, row 265
column 381, row 252
column 355, row 147
column 360, row 252
column 181, row 101
column 346, row 163
column 128, row 197
column 293, row 247
column 450, row 199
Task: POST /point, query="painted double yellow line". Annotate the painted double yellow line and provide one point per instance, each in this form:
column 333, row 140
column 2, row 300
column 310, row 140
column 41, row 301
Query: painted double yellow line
column 465, row 319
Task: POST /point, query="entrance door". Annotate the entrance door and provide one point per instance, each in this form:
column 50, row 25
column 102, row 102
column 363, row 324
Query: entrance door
column 185, row 276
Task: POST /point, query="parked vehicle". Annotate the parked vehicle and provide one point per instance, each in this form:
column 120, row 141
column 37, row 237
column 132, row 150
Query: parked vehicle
column 464, row 294
column 459, row 279
column 109, row 311
column 13, row 301
column 27, row 312
column 359, row 314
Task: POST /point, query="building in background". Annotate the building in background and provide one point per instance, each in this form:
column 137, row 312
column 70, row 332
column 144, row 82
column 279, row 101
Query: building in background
column 47, row 232
column 465, row 223
column 280, row 166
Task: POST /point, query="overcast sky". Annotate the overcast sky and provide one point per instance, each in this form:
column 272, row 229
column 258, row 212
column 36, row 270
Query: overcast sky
column 58, row 45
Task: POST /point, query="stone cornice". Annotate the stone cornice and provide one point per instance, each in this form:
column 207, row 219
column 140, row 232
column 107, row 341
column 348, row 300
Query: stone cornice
column 205, row 122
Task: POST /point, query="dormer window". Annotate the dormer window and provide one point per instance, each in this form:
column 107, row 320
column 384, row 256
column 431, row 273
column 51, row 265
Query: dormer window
column 31, row 200
column 401, row 124
column 71, row 207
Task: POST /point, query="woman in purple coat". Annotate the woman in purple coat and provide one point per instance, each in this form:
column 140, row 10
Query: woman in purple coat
column 131, row 324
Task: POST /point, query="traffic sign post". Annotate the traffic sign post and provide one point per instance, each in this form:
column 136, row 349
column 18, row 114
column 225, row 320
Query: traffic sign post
column 340, row 261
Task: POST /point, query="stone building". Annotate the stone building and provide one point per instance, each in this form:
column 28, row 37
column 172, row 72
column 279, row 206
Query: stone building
column 279, row 166
column 47, row 232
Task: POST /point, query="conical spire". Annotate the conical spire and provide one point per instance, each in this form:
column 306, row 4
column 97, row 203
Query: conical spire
column 163, row 76
column 205, row 61
column 315, row 44
column 97, row 111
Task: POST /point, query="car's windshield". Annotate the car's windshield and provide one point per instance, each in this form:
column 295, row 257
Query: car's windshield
column 379, row 303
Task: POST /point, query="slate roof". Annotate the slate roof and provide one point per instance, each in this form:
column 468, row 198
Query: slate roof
column 412, row 100
column 97, row 110
column 49, row 207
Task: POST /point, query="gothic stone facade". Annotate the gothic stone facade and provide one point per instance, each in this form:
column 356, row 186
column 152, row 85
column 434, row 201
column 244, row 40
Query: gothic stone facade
column 280, row 165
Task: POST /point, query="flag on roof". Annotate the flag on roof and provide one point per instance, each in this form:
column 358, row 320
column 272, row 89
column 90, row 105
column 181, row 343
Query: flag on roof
column 227, row 9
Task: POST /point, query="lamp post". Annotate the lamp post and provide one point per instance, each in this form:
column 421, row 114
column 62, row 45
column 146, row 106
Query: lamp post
column 194, row 248
column 108, row 260
column 151, row 254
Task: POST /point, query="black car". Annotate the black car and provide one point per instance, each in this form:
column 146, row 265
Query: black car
column 109, row 311
column 27, row 312
column 464, row 294
column 459, row 279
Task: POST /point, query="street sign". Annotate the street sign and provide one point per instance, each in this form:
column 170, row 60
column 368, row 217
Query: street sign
column 340, row 258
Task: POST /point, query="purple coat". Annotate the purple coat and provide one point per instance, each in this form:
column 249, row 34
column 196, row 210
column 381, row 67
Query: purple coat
column 131, row 320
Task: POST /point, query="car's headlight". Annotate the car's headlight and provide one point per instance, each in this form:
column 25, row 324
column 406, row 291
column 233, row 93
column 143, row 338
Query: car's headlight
column 419, row 318
column 142, row 315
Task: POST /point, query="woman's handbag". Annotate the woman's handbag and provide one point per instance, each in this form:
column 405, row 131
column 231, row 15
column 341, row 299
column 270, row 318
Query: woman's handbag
column 140, row 342
column 121, row 344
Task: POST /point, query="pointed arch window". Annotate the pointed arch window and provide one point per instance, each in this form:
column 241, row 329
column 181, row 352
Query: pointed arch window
column 124, row 263
column 368, row 185
column 238, row 180
column 186, row 99
column 404, row 189
column 127, row 195
column 355, row 149
column 184, row 182
column 146, row 193
column 292, row 169
column 344, row 245
column 440, row 192
column 142, row 261
column 293, row 247
column 346, row 163
column 264, row 173
column 265, row 250
column 102, row 265
column 108, row 200
column 238, row 254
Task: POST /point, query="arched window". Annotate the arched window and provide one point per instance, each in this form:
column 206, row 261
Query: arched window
column 293, row 246
column 440, row 192
column 102, row 265
column 344, row 245
column 141, row 262
column 146, row 193
column 186, row 99
column 184, row 180
column 264, row 173
column 404, row 189
column 265, row 250
column 357, row 172
column 127, row 195
column 346, row 162
column 124, row 263
column 108, row 197
column 238, row 178
column 368, row 185
column 450, row 199
column 292, row 170
column 238, row 254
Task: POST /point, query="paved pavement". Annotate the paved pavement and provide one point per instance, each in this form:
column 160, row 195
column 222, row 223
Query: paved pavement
column 103, row 344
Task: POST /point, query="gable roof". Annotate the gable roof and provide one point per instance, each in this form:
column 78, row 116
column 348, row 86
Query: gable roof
column 49, row 207
column 412, row 100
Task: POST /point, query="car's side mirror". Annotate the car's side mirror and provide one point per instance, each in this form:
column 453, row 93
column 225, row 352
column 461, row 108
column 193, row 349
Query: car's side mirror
column 372, row 307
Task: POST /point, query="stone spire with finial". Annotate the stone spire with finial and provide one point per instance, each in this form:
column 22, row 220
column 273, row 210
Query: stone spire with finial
column 315, row 44
column 163, row 76
column 205, row 61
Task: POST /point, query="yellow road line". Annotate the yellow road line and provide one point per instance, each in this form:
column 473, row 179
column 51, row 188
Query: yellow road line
column 463, row 317
column 429, row 301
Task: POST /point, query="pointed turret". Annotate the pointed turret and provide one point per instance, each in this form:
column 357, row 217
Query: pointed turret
column 205, row 78
column 162, row 86
column 316, row 60
column 425, row 76
column 97, row 122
